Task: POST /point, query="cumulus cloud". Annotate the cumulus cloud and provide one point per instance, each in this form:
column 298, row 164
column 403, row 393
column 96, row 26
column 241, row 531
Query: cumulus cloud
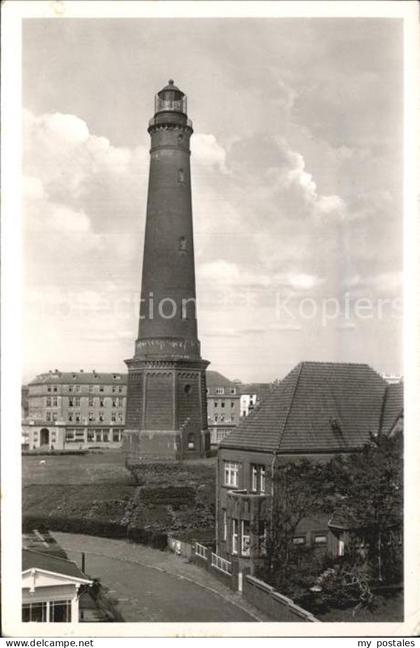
column 207, row 151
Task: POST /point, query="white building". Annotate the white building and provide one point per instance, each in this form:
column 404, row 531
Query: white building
column 50, row 588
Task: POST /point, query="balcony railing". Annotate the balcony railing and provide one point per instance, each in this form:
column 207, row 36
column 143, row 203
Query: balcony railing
column 156, row 121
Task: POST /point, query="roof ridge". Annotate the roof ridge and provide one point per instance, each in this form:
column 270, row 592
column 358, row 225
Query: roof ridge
column 300, row 365
column 381, row 418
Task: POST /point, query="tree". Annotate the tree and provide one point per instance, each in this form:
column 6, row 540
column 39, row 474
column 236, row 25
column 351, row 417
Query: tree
column 370, row 502
column 364, row 490
column 300, row 489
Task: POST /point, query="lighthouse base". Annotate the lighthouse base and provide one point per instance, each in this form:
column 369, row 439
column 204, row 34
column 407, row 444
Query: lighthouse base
column 143, row 446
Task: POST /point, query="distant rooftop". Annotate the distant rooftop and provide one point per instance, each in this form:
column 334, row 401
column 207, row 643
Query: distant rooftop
column 216, row 379
column 57, row 377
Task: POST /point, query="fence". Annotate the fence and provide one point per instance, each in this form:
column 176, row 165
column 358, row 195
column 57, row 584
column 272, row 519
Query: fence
column 201, row 550
column 219, row 567
column 221, row 563
column 272, row 603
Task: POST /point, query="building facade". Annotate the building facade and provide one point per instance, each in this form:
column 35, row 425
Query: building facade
column 317, row 411
column 75, row 410
column 166, row 398
column 223, row 406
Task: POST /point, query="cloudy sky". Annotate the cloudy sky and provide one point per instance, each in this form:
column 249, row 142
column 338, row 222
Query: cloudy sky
column 297, row 187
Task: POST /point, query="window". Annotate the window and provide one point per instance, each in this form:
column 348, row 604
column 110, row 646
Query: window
column 299, row 540
column 181, row 176
column 69, row 435
column 34, row 612
column 215, row 403
column 234, row 536
column 224, row 524
column 70, row 417
column 101, row 388
column 70, row 388
column 320, row 538
column 48, row 416
column 258, row 478
column 232, row 403
column 77, row 401
column 114, row 389
column 222, row 404
column 245, row 538
column 91, row 417
column 341, row 546
column 101, row 417
column 220, row 390
column 71, row 402
column 48, row 389
column 77, row 388
column 105, row 436
column 101, row 402
column 231, row 471
column 233, row 390
column 98, row 435
column 77, row 415
column 116, row 437
column 113, row 418
column 54, row 416
column 90, row 401
column 120, row 417
column 60, row 611
column 90, row 435
column 48, row 401
column 191, row 441
column 55, row 401
column 120, row 389
column 187, row 389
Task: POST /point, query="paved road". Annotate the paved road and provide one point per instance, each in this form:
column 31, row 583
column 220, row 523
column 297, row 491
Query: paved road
column 140, row 578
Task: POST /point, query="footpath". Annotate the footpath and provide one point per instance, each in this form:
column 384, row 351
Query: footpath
column 153, row 585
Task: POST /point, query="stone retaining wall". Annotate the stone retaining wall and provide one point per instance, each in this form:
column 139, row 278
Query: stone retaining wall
column 272, row 603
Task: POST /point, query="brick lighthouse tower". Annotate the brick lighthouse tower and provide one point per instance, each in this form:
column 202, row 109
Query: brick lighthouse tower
column 166, row 414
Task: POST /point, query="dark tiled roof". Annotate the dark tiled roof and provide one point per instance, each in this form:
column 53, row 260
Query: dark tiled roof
column 79, row 378
column 38, row 560
column 216, row 379
column 393, row 406
column 318, row 406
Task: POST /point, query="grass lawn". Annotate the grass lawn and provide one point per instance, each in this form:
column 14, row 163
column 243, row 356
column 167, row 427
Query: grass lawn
column 95, row 494
column 91, row 468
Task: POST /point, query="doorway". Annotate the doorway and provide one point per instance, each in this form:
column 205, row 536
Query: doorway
column 44, row 437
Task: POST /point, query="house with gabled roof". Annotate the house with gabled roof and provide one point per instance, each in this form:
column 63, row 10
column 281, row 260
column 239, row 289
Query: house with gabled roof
column 50, row 588
column 320, row 409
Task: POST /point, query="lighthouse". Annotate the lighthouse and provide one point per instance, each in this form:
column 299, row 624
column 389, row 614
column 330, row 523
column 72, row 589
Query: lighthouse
column 166, row 417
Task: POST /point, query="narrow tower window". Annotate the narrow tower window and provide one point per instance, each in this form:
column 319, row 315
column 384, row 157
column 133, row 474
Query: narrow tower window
column 181, row 176
column 182, row 244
